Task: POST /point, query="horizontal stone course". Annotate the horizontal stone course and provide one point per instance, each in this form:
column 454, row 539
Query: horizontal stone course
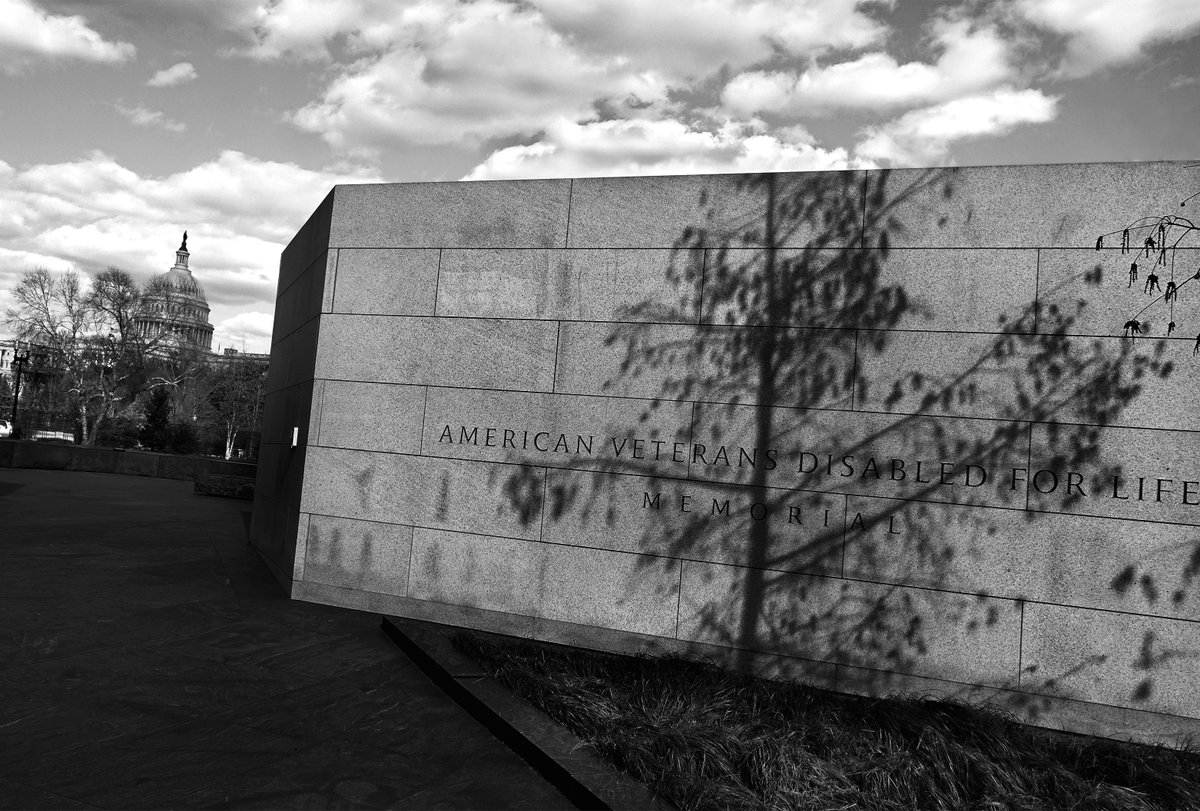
column 949, row 290
column 1140, row 474
column 386, row 281
column 471, row 353
column 1125, row 660
column 1099, row 563
column 594, row 587
column 506, row 214
column 371, row 416
column 424, row 492
column 558, row 430
column 583, row 285
column 1058, row 206
column 920, row 631
column 655, row 362
column 656, row 212
column 1102, row 279
column 694, row 521
column 357, row 554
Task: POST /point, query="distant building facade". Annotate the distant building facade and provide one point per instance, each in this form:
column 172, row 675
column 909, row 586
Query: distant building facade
column 37, row 356
column 230, row 355
column 175, row 307
column 7, row 348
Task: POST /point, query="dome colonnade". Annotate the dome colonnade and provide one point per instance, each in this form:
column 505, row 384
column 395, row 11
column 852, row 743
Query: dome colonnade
column 174, row 307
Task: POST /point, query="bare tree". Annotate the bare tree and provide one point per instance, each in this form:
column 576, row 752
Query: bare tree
column 52, row 312
column 237, row 391
column 118, row 351
column 801, row 321
column 89, row 336
column 781, row 301
column 1152, row 245
column 183, row 370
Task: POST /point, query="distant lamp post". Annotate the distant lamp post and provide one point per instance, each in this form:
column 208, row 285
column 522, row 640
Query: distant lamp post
column 19, row 361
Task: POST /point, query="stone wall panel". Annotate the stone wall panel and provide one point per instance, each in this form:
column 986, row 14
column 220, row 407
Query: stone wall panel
column 954, row 470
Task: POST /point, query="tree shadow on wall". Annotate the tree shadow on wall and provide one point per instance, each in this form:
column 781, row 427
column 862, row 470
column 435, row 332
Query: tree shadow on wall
column 807, row 475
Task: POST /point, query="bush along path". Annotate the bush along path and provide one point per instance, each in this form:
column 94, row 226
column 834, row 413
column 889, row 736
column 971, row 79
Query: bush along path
column 704, row 738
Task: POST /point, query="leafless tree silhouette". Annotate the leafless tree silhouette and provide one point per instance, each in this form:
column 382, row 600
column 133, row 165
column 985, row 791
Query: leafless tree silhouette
column 1156, row 241
column 782, row 302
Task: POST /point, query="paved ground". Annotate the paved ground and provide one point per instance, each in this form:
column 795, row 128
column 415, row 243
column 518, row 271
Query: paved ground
column 149, row 660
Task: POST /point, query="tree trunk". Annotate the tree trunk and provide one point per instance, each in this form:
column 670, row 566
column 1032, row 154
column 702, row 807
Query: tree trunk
column 85, row 432
column 754, row 585
column 101, row 415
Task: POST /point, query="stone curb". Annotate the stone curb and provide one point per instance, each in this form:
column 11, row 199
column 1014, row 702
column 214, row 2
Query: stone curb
column 554, row 752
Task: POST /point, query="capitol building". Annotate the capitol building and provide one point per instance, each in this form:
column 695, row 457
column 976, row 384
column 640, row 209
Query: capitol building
column 174, row 306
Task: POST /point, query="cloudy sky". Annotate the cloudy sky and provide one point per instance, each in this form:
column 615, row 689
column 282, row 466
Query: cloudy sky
column 123, row 122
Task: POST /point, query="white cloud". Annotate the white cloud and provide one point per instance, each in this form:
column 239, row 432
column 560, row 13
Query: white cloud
column 176, row 74
column 643, row 147
column 923, row 137
column 145, row 117
column 467, row 73
column 1101, row 33
column 244, row 331
column 268, row 200
column 676, row 37
column 971, row 60
column 440, row 73
column 695, row 38
column 168, row 19
column 304, row 28
column 29, row 35
column 239, row 211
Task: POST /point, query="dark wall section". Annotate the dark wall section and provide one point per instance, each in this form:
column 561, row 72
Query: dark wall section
column 303, row 290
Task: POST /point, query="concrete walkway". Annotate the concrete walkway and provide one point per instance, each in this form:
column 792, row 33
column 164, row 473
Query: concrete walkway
column 148, row 660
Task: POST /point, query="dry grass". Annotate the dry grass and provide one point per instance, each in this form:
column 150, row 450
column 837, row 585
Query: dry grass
column 707, row 739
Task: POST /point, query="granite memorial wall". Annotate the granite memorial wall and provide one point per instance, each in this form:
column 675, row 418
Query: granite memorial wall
column 917, row 430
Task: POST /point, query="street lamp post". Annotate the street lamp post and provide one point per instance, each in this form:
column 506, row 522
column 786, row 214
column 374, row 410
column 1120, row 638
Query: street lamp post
column 19, row 361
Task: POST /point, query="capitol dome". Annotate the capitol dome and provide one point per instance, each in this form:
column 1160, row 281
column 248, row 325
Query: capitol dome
column 174, row 307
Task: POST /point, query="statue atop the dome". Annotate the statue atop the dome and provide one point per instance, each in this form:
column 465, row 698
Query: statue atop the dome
column 183, row 247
